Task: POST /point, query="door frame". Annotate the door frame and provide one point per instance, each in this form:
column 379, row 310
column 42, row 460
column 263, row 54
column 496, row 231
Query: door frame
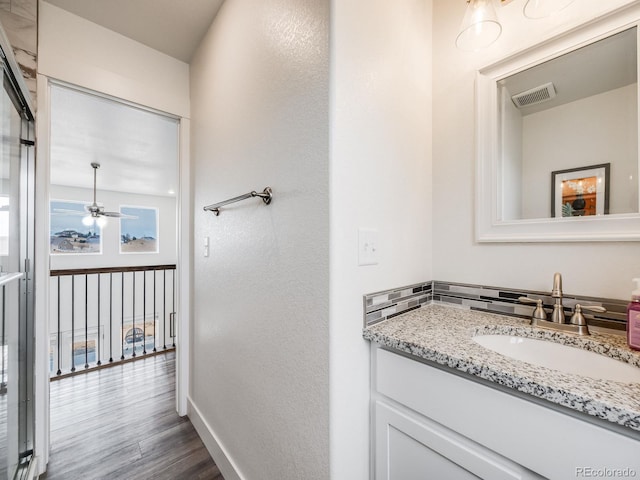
column 42, row 262
column 184, row 269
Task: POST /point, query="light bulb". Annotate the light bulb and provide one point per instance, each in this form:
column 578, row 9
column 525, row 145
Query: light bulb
column 101, row 221
column 87, row 221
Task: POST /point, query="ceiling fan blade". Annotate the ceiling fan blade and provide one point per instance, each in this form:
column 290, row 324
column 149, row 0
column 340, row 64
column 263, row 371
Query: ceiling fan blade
column 62, row 211
column 118, row 215
column 110, row 214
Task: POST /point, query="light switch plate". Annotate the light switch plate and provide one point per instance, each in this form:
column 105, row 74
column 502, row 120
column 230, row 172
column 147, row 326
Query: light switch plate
column 368, row 239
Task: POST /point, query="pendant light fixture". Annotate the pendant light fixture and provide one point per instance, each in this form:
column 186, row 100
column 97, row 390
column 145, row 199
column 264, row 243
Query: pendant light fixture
column 544, row 8
column 480, row 26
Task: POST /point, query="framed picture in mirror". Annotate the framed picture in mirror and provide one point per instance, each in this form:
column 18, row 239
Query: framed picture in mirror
column 580, row 192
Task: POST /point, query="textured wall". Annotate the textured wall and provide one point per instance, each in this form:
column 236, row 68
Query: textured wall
column 260, row 99
column 601, row 269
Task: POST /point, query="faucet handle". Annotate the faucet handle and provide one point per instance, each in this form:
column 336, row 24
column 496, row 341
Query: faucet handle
column 539, row 312
column 578, row 318
column 592, row 308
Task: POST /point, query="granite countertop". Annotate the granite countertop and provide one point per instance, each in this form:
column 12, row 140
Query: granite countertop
column 443, row 335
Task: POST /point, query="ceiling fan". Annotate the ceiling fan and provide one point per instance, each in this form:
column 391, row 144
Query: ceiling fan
column 95, row 210
column 96, row 213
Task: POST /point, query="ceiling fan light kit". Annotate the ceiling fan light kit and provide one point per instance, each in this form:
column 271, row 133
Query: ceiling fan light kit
column 87, row 221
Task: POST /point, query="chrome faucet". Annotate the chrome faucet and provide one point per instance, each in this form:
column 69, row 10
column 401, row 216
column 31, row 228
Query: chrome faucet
column 578, row 323
column 556, row 293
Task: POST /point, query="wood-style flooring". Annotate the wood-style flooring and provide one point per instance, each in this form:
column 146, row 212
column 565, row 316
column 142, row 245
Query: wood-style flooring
column 120, row 423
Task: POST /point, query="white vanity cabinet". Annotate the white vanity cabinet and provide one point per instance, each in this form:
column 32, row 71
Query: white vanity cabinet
column 428, row 423
column 413, row 447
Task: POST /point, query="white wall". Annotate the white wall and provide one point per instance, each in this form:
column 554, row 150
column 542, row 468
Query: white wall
column 599, row 129
column 599, row 269
column 111, row 256
column 83, row 53
column 260, row 357
column 381, row 179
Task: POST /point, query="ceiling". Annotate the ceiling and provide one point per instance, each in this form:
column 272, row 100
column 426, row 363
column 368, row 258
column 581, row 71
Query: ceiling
column 137, row 150
column 169, row 26
column 600, row 67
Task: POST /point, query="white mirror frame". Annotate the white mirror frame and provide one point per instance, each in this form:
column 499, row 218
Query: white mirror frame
column 489, row 227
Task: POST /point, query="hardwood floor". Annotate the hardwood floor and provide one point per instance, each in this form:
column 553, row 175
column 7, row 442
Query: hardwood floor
column 120, row 423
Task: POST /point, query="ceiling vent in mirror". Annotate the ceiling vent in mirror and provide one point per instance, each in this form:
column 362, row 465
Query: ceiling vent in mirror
column 535, row 95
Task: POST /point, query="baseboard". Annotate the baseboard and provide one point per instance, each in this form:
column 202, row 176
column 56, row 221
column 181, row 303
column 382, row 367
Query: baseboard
column 216, row 449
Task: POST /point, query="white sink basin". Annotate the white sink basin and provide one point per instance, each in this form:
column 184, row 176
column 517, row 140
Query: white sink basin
column 560, row 357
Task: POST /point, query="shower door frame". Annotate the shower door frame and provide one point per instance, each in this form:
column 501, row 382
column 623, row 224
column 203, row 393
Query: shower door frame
column 19, row 96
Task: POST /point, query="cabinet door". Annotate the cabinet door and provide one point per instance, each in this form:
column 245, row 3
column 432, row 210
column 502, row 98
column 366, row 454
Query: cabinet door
column 411, row 447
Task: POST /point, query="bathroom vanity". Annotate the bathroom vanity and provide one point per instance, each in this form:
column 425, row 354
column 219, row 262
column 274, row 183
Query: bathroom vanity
column 443, row 406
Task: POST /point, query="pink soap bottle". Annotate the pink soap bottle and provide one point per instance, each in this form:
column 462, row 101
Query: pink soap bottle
column 633, row 318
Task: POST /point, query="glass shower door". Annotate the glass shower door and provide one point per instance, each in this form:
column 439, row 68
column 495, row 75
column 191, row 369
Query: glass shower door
column 16, row 307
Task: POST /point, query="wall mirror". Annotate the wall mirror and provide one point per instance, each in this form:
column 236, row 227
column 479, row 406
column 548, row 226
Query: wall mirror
column 557, row 138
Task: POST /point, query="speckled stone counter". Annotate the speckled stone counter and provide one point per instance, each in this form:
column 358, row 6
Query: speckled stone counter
column 443, row 334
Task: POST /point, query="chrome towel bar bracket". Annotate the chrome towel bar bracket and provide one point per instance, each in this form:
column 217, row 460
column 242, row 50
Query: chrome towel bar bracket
column 266, row 195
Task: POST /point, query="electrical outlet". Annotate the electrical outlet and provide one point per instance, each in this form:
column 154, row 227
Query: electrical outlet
column 368, row 246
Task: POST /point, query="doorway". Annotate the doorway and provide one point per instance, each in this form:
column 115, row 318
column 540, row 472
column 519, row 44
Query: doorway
column 113, row 228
